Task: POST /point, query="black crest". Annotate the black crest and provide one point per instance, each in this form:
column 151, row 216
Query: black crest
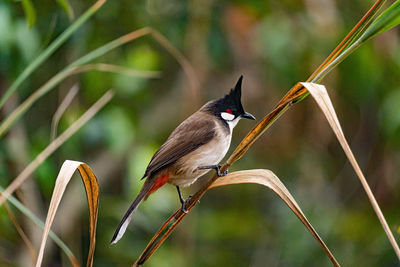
column 230, row 103
column 233, row 99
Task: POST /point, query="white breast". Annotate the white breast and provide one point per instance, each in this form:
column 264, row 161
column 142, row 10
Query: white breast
column 209, row 154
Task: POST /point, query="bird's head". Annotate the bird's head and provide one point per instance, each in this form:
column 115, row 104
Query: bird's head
column 229, row 108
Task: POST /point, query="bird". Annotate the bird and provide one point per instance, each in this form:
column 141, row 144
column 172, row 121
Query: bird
column 195, row 147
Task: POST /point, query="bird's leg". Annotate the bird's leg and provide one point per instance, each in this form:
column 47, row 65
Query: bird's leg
column 183, row 201
column 215, row 167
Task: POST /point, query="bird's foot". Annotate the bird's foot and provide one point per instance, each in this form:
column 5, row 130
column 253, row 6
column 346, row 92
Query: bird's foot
column 183, row 206
column 182, row 200
column 215, row 167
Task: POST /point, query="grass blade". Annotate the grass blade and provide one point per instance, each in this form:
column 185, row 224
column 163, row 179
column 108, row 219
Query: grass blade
column 53, row 146
column 270, row 180
column 92, row 193
column 61, row 109
column 348, row 40
column 321, row 96
column 21, row 232
column 50, row 50
column 387, row 20
column 147, row 74
column 40, row 224
column 30, row 12
column 67, row 8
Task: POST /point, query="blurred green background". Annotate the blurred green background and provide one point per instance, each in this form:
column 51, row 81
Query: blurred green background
column 274, row 44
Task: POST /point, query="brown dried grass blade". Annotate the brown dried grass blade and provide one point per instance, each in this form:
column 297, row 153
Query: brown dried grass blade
column 92, row 193
column 21, row 232
column 321, row 96
column 61, row 109
column 157, row 240
column 270, row 180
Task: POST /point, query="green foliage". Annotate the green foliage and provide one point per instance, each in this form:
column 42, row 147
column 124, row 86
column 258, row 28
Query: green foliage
column 48, row 52
column 30, row 12
column 66, row 6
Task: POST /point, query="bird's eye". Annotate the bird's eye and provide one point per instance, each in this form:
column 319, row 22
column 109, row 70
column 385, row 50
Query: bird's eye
column 229, row 111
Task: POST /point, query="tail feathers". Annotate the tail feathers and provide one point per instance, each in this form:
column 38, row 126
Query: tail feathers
column 128, row 215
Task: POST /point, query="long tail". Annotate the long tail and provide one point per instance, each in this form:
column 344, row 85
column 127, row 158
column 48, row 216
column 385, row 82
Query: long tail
column 128, row 215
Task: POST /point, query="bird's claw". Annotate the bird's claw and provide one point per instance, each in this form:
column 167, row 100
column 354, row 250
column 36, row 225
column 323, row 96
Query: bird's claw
column 217, row 168
column 223, row 174
column 183, row 207
column 184, row 201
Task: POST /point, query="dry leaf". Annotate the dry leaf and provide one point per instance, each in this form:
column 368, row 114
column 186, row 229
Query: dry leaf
column 92, row 193
column 270, row 180
column 321, row 96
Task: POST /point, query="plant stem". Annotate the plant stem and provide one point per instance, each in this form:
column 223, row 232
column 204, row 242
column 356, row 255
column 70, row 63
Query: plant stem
column 318, row 78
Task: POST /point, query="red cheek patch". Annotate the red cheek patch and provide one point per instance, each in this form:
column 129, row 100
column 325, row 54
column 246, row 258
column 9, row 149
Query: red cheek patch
column 229, row 111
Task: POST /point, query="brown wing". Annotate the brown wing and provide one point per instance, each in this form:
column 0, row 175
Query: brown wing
column 195, row 131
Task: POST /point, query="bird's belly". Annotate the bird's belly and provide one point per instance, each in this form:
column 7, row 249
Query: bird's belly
column 185, row 171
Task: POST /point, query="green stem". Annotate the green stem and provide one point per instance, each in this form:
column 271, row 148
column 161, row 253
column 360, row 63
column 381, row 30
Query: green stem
column 318, row 78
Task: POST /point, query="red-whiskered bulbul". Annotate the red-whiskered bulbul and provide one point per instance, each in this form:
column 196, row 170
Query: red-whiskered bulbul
column 197, row 145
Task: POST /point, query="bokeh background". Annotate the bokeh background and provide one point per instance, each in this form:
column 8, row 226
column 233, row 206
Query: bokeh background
column 274, row 44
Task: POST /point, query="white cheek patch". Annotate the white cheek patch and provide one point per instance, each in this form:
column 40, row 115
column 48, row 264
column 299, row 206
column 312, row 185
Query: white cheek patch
column 227, row 116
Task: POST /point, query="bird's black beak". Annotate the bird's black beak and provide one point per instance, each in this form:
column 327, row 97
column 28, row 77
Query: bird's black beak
column 247, row 115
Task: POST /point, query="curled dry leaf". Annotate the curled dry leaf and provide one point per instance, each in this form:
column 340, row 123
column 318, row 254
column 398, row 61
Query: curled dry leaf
column 270, row 180
column 92, row 193
column 321, row 96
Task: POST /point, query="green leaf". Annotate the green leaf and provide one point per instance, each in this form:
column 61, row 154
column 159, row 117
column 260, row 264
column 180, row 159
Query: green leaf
column 67, row 8
column 30, row 12
column 387, row 20
column 50, row 49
